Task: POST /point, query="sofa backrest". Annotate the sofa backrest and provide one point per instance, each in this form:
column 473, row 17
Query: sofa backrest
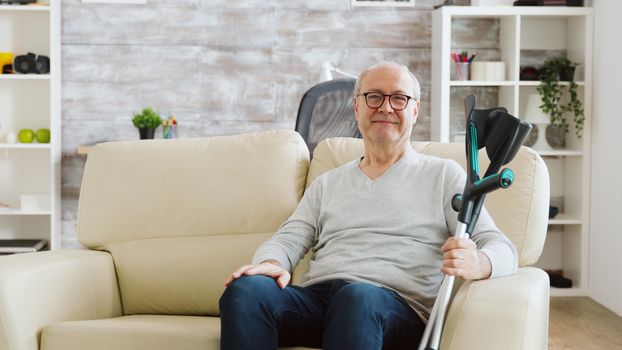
column 180, row 215
column 521, row 211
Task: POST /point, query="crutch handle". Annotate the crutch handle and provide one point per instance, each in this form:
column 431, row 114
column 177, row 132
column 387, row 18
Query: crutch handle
column 504, row 179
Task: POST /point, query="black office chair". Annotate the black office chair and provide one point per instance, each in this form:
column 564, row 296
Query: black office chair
column 327, row 110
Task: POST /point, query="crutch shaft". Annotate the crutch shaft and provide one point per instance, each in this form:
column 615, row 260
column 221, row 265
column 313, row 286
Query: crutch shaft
column 432, row 333
column 447, row 286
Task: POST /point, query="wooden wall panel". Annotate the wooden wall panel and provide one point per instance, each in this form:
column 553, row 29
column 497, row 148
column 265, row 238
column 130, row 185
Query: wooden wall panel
column 224, row 67
column 148, row 25
column 360, row 28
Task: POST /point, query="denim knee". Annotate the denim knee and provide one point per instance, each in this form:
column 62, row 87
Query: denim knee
column 247, row 291
column 362, row 297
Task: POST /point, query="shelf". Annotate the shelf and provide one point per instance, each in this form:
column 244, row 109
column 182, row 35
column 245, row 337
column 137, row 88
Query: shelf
column 497, row 11
column 31, row 100
column 505, row 83
column 481, row 83
column 19, row 212
column 24, row 77
column 525, row 36
column 560, row 153
column 567, row 292
column 561, row 219
column 25, row 146
column 25, row 8
column 84, row 150
column 537, row 83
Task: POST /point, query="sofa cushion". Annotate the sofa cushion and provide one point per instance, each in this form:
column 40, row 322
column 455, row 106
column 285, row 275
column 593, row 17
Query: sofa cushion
column 153, row 332
column 179, row 276
column 179, row 215
column 190, row 187
column 521, row 211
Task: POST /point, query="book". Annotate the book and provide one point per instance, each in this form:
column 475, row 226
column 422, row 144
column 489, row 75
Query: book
column 21, row 245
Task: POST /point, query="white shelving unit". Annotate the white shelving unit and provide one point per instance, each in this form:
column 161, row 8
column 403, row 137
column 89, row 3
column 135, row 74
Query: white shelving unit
column 24, row 76
column 31, row 101
column 525, row 35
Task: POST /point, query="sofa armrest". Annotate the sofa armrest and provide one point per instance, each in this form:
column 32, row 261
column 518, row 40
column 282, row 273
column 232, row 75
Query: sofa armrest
column 38, row 289
column 509, row 313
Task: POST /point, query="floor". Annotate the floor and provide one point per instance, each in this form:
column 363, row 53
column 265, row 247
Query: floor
column 582, row 323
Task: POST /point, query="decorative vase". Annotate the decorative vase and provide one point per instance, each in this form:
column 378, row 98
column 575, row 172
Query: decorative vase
column 146, row 133
column 555, row 136
column 566, row 74
column 532, row 137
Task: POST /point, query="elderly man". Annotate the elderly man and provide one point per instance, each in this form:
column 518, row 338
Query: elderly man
column 380, row 229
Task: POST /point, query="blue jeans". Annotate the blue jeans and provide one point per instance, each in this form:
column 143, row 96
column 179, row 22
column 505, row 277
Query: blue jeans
column 256, row 314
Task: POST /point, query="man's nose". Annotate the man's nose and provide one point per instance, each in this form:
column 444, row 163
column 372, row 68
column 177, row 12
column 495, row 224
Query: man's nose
column 386, row 105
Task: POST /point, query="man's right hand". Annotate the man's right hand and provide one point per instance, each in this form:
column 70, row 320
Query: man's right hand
column 270, row 268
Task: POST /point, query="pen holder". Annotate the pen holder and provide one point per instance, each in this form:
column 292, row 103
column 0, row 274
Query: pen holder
column 461, row 71
column 169, row 132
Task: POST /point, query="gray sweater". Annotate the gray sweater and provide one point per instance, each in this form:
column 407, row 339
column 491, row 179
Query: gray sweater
column 386, row 231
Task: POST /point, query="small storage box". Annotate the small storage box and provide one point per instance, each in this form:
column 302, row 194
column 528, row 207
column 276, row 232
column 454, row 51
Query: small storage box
column 35, row 201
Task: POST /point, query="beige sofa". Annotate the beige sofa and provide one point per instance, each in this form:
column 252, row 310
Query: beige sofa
column 166, row 221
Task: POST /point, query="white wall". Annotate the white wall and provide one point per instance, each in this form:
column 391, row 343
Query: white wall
column 606, row 202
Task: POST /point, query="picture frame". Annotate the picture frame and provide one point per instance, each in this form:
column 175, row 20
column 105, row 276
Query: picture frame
column 134, row 2
column 382, row 3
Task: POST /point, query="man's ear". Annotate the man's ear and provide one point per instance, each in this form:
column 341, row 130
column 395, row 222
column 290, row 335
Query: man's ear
column 356, row 108
column 416, row 112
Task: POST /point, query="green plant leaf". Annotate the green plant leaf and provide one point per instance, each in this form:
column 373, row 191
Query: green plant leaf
column 553, row 95
column 147, row 119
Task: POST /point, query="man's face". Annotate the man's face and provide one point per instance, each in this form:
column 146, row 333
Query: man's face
column 385, row 125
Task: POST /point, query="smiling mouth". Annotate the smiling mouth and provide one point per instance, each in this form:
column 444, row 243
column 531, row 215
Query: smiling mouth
column 383, row 122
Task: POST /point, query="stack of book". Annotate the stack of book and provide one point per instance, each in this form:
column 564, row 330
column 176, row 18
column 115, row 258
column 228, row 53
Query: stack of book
column 554, row 2
column 11, row 246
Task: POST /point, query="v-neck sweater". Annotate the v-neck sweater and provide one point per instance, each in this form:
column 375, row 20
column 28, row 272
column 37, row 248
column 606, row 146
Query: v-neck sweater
column 386, row 231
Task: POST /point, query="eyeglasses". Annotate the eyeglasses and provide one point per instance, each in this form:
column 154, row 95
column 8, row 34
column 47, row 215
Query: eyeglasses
column 375, row 99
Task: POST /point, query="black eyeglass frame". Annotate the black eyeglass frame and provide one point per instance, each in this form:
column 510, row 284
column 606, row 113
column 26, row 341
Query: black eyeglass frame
column 384, row 97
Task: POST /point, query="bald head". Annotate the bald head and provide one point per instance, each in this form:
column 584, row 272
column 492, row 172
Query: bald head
column 416, row 93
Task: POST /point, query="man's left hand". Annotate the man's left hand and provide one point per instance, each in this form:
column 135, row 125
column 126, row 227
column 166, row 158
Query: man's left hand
column 461, row 258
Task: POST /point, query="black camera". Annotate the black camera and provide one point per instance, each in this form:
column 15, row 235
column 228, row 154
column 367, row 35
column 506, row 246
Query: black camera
column 18, row 2
column 31, row 63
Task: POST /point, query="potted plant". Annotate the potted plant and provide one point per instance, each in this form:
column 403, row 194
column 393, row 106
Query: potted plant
column 553, row 94
column 147, row 122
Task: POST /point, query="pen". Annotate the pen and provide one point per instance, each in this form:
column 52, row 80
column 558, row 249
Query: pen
column 457, row 57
